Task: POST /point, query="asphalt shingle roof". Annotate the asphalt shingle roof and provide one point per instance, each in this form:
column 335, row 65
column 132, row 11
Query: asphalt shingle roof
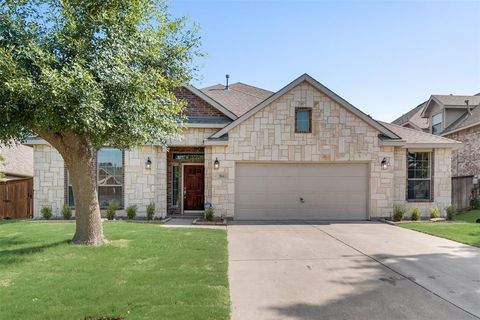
column 414, row 116
column 412, row 136
column 451, row 100
column 239, row 98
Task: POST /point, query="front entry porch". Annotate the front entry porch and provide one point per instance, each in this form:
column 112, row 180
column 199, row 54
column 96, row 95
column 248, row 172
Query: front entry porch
column 185, row 181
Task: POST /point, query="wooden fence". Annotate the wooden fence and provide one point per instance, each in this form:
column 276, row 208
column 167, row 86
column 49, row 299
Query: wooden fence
column 462, row 192
column 16, row 199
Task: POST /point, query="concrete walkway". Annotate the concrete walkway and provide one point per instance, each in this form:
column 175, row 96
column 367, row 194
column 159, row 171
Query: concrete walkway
column 349, row 271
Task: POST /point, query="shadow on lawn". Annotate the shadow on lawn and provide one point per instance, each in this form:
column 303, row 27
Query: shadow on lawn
column 20, row 254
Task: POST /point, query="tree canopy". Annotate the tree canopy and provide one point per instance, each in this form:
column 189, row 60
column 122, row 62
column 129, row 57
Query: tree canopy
column 104, row 70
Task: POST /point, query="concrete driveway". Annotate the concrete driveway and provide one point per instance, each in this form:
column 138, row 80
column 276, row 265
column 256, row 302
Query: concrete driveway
column 368, row 270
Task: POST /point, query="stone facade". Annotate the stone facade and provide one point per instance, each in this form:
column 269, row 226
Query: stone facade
column 466, row 160
column 49, row 179
column 337, row 136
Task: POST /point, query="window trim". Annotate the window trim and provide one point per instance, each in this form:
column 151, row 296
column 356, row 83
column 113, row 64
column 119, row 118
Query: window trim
column 303, row 109
column 432, row 177
column 66, row 185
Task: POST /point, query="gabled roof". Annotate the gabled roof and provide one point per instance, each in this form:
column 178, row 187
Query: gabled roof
column 419, row 139
column 211, row 101
column 239, row 98
column 467, row 120
column 413, row 117
column 451, row 101
column 305, row 77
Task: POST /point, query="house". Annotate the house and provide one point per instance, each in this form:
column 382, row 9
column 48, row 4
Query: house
column 302, row 152
column 16, row 187
column 458, row 118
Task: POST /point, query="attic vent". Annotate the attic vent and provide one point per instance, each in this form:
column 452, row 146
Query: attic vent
column 227, row 76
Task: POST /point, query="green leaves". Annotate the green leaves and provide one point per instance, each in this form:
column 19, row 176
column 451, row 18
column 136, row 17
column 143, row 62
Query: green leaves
column 104, row 70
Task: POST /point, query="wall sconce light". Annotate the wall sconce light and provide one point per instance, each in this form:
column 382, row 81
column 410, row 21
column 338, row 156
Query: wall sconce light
column 385, row 163
column 148, row 164
column 216, row 164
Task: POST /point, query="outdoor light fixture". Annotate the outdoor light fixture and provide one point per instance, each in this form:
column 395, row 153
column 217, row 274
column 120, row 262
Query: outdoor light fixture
column 385, row 163
column 148, row 164
column 216, row 164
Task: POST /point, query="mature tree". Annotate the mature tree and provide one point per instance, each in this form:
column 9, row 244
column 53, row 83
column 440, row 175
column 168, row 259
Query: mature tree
column 82, row 74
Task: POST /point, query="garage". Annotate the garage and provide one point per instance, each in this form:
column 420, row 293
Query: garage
column 311, row 191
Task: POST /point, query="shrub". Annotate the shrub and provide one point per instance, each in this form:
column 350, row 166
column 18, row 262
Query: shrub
column 131, row 211
column 46, row 213
column 398, row 212
column 434, row 213
column 150, row 210
column 112, row 209
column 476, row 203
column 415, row 214
column 209, row 214
column 66, row 212
column 451, row 212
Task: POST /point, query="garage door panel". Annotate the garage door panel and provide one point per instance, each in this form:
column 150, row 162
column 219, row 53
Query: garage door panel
column 274, row 191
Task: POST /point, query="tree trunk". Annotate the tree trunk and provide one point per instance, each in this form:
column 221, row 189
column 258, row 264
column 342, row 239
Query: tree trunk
column 82, row 170
column 80, row 159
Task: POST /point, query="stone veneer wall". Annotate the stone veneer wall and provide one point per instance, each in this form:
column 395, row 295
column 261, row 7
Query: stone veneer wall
column 48, row 182
column 466, row 160
column 442, row 191
column 337, row 135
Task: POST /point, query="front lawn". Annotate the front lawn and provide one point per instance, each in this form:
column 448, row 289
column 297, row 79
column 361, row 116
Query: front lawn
column 145, row 272
column 463, row 230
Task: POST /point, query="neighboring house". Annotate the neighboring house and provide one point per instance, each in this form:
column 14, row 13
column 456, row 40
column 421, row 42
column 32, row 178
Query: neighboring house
column 18, row 161
column 413, row 119
column 300, row 153
column 458, row 118
column 16, row 188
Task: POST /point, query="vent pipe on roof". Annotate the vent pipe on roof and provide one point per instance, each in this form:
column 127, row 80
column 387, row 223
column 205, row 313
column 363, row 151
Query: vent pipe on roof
column 227, row 76
column 468, row 106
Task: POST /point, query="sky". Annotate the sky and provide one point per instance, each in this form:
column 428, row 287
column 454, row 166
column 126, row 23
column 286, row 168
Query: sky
column 384, row 57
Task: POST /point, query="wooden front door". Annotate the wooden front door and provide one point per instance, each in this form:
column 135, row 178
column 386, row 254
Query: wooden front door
column 193, row 187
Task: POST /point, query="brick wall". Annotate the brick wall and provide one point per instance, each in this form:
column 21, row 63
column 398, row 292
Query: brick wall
column 197, row 106
column 466, row 160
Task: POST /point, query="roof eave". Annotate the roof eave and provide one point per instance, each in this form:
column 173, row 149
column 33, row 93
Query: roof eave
column 460, row 129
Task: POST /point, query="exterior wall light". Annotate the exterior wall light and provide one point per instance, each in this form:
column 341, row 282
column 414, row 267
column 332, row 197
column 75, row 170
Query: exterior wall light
column 148, row 164
column 216, row 164
column 385, row 163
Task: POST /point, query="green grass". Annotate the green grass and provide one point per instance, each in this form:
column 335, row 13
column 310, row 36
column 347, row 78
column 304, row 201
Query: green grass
column 463, row 229
column 470, row 216
column 145, row 272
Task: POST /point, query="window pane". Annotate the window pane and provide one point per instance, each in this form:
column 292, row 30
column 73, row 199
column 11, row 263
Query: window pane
column 109, row 166
column 70, row 200
column 418, row 165
column 437, row 119
column 188, row 156
column 419, row 189
column 436, row 128
column 109, row 193
column 303, row 121
column 176, row 185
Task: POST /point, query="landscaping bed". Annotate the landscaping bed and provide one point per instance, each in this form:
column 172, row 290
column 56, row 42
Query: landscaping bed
column 145, row 272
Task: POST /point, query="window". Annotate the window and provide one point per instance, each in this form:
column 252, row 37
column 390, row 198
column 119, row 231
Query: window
column 303, row 120
column 189, row 156
column 109, row 178
column 419, row 180
column 175, row 185
column 437, row 123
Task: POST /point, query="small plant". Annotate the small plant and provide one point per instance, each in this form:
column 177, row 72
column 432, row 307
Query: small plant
column 209, row 214
column 66, row 212
column 415, row 214
column 46, row 213
column 398, row 212
column 150, row 210
column 434, row 213
column 476, row 203
column 112, row 209
column 451, row 212
column 131, row 211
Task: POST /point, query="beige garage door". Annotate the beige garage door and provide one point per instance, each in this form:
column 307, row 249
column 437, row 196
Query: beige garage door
column 272, row 191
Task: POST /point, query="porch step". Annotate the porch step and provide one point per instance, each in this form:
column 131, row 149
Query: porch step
column 185, row 216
